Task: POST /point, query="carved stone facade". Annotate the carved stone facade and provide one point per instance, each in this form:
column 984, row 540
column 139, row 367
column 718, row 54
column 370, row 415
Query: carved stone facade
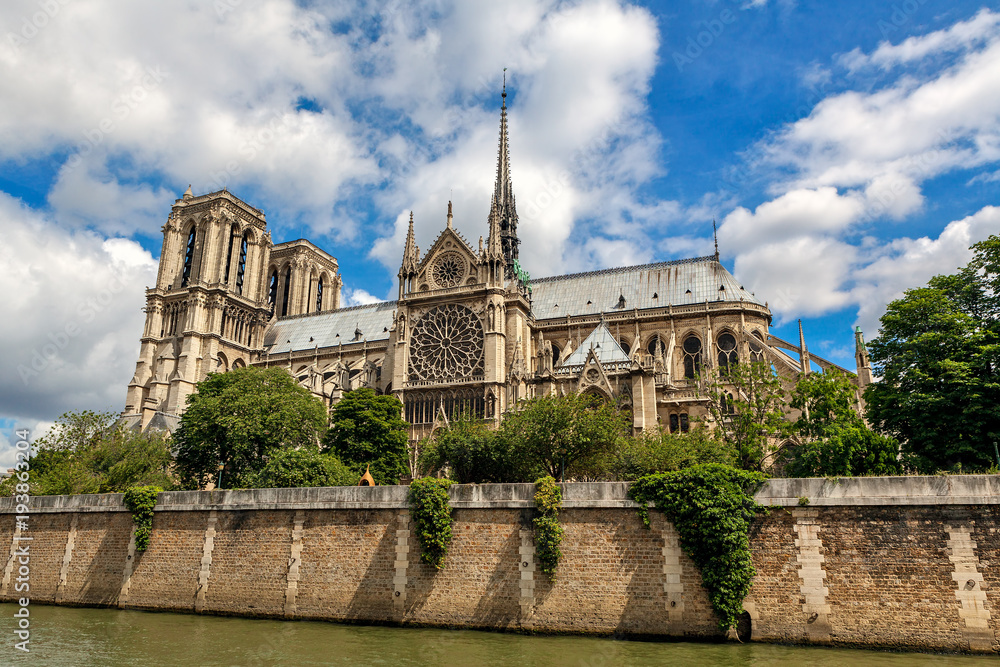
column 469, row 332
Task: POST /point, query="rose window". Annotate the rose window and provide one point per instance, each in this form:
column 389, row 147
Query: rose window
column 448, row 269
column 446, row 344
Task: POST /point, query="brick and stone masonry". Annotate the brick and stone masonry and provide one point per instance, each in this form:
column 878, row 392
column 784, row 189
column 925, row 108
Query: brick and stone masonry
column 904, row 563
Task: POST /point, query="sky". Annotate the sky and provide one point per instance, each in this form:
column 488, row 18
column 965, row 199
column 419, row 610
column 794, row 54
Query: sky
column 847, row 151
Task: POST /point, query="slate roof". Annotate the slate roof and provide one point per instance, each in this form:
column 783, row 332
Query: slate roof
column 680, row 282
column 293, row 333
column 606, row 348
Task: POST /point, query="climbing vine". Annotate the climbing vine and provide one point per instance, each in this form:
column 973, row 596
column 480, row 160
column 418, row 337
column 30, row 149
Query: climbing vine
column 711, row 505
column 548, row 532
column 431, row 518
column 140, row 500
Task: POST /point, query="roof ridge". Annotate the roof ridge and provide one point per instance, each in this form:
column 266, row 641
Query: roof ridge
column 623, row 269
column 337, row 310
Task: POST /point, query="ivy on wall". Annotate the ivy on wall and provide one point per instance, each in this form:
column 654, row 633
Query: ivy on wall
column 548, row 532
column 711, row 505
column 140, row 500
column 432, row 519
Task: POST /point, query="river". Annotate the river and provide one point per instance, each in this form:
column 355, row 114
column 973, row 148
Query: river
column 113, row 638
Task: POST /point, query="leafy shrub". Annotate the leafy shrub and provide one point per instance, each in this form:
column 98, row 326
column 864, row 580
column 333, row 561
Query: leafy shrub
column 548, row 532
column 431, row 512
column 141, row 500
column 301, row 468
column 711, row 506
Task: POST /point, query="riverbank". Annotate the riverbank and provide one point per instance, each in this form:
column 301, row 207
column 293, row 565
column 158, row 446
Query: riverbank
column 899, row 563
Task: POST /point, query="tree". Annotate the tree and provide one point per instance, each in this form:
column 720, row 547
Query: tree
column 746, row 402
column 303, row 467
column 564, row 435
column 473, row 453
column 367, row 430
column 660, row 451
column 836, row 441
column 91, row 452
column 938, row 355
column 239, row 419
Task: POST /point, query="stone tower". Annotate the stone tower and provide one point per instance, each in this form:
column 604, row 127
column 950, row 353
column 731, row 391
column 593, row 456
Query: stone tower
column 220, row 283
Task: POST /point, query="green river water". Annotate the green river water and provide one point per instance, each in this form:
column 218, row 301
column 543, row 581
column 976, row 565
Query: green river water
column 109, row 638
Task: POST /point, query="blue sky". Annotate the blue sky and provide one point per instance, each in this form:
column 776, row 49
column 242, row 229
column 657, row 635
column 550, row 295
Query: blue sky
column 847, row 150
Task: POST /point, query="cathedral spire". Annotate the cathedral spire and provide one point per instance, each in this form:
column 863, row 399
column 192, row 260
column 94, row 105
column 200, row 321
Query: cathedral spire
column 503, row 213
column 410, row 252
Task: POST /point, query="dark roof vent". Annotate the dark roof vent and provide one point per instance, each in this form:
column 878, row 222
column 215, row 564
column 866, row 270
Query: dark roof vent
column 621, row 301
column 655, row 295
column 688, row 292
column 722, row 288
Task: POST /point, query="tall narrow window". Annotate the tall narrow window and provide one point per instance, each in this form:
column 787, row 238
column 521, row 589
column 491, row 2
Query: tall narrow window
column 727, row 352
column 242, row 266
column 674, row 423
column 284, row 294
column 188, row 259
column 319, row 294
column 229, row 253
column 692, row 357
column 272, row 288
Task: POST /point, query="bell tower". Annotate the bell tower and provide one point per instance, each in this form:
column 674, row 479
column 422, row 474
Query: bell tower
column 209, row 308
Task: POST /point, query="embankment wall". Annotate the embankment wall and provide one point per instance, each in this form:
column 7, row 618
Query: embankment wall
column 909, row 563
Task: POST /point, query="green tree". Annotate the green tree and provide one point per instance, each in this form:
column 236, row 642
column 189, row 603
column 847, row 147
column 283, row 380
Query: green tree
column 836, row 441
column 92, row 452
column 367, row 430
column 570, row 435
column 660, row 451
column 472, row 452
column 747, row 405
column 303, row 467
column 938, row 355
column 239, row 419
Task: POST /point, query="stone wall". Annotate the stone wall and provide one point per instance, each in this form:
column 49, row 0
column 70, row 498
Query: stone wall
column 881, row 562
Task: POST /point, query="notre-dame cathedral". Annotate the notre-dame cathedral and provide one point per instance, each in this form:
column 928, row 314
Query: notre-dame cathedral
column 470, row 331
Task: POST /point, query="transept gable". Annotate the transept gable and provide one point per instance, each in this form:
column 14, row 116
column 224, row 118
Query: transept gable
column 450, row 262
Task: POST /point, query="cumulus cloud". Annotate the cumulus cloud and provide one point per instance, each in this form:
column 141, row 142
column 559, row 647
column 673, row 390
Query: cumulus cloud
column 861, row 158
column 907, row 262
column 75, row 300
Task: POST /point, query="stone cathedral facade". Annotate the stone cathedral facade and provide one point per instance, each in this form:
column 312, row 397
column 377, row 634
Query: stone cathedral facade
column 469, row 331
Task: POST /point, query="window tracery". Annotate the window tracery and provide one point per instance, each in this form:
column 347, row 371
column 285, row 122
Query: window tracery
column 727, row 351
column 692, row 357
column 449, row 269
column 447, row 345
column 242, row 266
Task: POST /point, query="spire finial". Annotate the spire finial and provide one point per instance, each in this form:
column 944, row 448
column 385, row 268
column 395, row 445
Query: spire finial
column 503, row 94
column 449, row 214
column 503, row 242
column 715, row 235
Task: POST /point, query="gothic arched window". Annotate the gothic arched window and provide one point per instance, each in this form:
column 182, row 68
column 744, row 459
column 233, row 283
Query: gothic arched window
column 626, row 348
column 242, row 266
column 188, row 259
column 692, row 357
column 272, row 288
column 319, row 294
column 284, row 295
column 727, row 352
column 756, row 354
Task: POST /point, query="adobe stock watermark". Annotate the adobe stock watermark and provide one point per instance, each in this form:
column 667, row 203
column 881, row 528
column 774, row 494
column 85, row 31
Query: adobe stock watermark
column 42, row 355
column 709, row 33
column 19, row 562
column 121, row 108
column 901, row 14
column 32, row 25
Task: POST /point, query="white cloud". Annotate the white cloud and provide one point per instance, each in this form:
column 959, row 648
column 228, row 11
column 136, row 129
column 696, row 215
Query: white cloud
column 358, row 297
column 984, row 26
column 862, row 157
column 906, row 262
column 75, row 300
